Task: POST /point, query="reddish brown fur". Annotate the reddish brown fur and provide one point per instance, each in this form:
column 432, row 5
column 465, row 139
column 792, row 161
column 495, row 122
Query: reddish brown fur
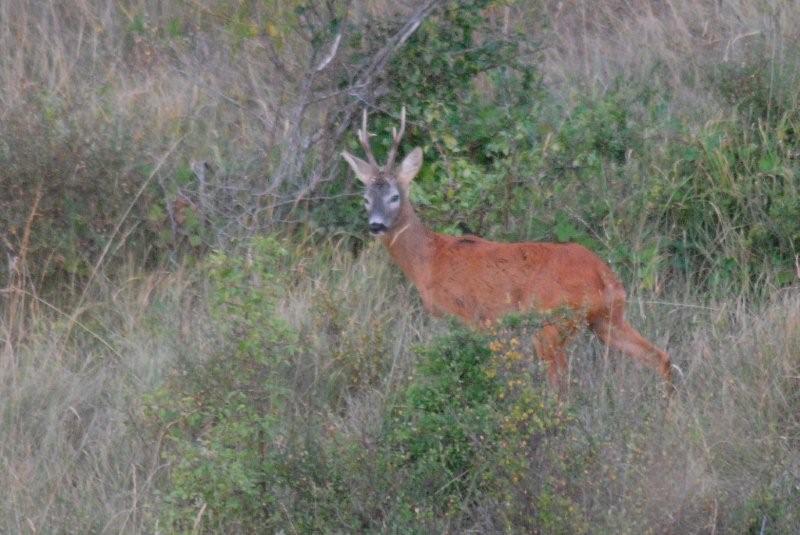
column 481, row 281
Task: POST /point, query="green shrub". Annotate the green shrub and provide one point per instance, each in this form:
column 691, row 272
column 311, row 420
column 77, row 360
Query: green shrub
column 730, row 204
column 244, row 455
column 468, row 427
column 223, row 416
column 470, row 100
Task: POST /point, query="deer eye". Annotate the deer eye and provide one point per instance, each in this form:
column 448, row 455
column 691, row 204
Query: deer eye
column 394, row 198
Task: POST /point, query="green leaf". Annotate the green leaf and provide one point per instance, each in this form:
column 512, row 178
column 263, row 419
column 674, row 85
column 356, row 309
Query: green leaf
column 449, row 141
column 768, row 163
column 155, row 214
column 564, row 230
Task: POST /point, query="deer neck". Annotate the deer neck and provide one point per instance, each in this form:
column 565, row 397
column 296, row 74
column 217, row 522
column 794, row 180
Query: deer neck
column 410, row 245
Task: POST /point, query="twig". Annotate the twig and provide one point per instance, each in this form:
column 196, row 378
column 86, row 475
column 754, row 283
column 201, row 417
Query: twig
column 196, row 526
column 363, row 84
column 327, row 59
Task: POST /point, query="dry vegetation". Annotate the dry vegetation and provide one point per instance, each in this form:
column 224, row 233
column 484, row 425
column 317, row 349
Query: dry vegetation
column 112, row 303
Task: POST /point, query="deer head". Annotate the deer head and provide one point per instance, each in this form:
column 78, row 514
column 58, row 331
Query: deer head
column 386, row 187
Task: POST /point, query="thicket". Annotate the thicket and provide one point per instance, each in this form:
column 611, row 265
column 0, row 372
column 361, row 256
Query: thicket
column 664, row 196
column 275, row 430
column 665, row 193
column 199, row 335
column 250, row 451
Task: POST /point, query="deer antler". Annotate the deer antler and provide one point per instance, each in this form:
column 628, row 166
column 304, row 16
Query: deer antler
column 363, row 138
column 396, row 137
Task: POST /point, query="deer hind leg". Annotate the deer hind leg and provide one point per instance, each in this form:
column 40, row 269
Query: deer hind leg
column 619, row 334
column 549, row 344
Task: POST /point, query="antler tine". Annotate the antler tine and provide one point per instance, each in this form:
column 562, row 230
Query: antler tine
column 363, row 138
column 396, row 137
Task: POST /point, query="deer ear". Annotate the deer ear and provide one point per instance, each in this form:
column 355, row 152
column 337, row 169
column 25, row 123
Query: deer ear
column 409, row 167
column 364, row 171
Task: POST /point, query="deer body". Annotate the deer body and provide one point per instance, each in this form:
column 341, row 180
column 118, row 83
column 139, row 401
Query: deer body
column 481, row 281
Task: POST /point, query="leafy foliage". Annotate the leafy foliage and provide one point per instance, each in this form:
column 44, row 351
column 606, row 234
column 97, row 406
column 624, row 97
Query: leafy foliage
column 223, row 419
column 507, row 158
column 466, row 424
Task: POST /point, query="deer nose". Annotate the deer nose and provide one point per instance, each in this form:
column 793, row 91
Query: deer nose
column 377, row 228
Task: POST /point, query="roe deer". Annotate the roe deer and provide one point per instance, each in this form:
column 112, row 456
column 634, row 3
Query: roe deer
column 481, row 281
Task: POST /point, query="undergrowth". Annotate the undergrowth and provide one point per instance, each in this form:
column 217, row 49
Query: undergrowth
column 164, row 371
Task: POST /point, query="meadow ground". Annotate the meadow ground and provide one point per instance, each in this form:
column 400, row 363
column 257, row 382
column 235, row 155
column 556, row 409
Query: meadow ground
column 222, row 349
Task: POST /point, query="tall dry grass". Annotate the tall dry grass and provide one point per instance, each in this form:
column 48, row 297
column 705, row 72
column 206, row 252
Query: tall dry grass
column 78, row 457
column 76, row 450
column 724, row 457
column 676, row 44
column 92, row 94
column 74, row 454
